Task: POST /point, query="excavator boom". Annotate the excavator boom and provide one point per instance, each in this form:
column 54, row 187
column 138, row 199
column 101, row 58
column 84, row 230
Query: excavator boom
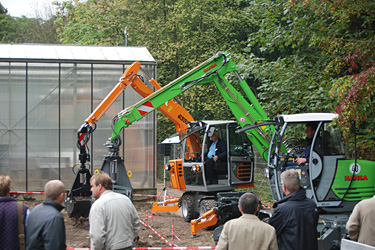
column 212, row 70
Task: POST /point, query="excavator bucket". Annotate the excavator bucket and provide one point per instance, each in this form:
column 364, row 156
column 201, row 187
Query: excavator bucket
column 78, row 201
column 77, row 208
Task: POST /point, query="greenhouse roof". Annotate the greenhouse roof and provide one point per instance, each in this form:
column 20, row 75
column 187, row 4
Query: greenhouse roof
column 74, row 53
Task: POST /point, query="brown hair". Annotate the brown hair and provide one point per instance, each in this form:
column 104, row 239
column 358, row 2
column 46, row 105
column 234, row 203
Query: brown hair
column 104, row 179
column 249, row 203
column 5, row 183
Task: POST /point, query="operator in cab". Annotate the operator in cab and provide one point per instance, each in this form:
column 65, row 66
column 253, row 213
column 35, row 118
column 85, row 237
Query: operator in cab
column 217, row 152
column 310, row 132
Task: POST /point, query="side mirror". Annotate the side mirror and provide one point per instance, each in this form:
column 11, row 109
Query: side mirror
column 210, row 131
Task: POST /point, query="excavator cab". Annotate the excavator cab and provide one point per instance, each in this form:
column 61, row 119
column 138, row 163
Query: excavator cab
column 333, row 181
column 229, row 172
column 234, row 171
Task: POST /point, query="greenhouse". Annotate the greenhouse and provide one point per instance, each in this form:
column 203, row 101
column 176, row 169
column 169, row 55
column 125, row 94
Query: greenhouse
column 47, row 92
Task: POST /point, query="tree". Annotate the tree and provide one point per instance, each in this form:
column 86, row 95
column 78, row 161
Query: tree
column 180, row 34
column 306, row 52
column 27, row 30
column 3, row 10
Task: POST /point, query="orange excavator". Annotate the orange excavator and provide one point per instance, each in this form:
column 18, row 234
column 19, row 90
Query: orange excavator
column 172, row 110
column 188, row 173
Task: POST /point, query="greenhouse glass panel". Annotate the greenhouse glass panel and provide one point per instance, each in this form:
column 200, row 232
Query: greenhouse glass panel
column 75, row 99
column 46, row 94
column 13, row 122
column 42, row 124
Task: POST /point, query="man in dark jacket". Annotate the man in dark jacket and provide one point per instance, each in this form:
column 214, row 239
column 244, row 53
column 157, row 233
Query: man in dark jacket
column 217, row 152
column 45, row 227
column 295, row 217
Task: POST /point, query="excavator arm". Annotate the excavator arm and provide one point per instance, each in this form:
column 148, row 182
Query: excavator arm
column 81, row 183
column 213, row 70
column 247, row 112
column 172, row 110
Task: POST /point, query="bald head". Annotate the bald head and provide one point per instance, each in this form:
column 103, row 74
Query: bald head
column 53, row 190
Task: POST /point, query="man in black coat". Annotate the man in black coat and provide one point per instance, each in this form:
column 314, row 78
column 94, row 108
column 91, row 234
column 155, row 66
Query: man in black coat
column 217, row 152
column 295, row 217
column 45, row 227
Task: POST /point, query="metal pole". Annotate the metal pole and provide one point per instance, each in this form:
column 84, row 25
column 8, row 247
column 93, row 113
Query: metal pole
column 126, row 36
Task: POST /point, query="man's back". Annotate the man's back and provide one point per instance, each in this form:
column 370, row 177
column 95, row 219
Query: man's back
column 295, row 219
column 45, row 227
column 361, row 224
column 114, row 214
column 247, row 232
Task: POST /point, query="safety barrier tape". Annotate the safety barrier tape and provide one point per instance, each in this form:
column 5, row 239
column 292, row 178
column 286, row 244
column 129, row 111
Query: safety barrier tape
column 146, row 225
column 147, row 195
column 172, row 248
column 25, row 192
column 156, row 248
column 151, row 195
column 173, row 234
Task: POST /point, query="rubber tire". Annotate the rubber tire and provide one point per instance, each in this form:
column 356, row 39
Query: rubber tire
column 188, row 207
column 205, row 206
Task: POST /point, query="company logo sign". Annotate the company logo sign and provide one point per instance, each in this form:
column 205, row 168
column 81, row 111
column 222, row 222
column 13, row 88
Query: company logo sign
column 355, row 169
column 211, row 67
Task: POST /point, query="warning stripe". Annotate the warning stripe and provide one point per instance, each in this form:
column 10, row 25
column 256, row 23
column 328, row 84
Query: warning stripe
column 172, row 248
column 25, row 192
column 146, row 195
column 145, row 108
column 146, row 225
column 152, row 195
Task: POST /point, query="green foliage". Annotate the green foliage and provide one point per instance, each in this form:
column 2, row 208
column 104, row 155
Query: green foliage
column 347, row 37
column 356, row 98
column 310, row 55
column 3, row 10
column 279, row 62
column 261, row 188
column 300, row 55
column 180, row 34
column 27, row 30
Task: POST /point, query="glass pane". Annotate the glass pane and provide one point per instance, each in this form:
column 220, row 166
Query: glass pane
column 75, row 101
column 240, row 144
column 139, row 137
column 13, row 123
column 42, row 124
column 46, row 99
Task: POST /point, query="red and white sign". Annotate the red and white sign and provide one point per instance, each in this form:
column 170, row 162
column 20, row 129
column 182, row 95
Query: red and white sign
column 145, row 108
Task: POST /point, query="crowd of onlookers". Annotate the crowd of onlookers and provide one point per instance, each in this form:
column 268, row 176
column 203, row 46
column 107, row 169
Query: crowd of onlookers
column 114, row 222
column 293, row 224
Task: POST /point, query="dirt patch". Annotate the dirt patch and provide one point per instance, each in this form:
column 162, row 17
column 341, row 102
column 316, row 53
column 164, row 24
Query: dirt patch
column 77, row 229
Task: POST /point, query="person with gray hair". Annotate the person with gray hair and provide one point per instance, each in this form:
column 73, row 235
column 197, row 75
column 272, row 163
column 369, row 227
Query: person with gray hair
column 12, row 233
column 295, row 217
column 46, row 228
column 247, row 231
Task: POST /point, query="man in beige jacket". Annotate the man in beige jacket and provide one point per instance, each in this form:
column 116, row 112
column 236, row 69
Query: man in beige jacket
column 361, row 226
column 247, row 232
